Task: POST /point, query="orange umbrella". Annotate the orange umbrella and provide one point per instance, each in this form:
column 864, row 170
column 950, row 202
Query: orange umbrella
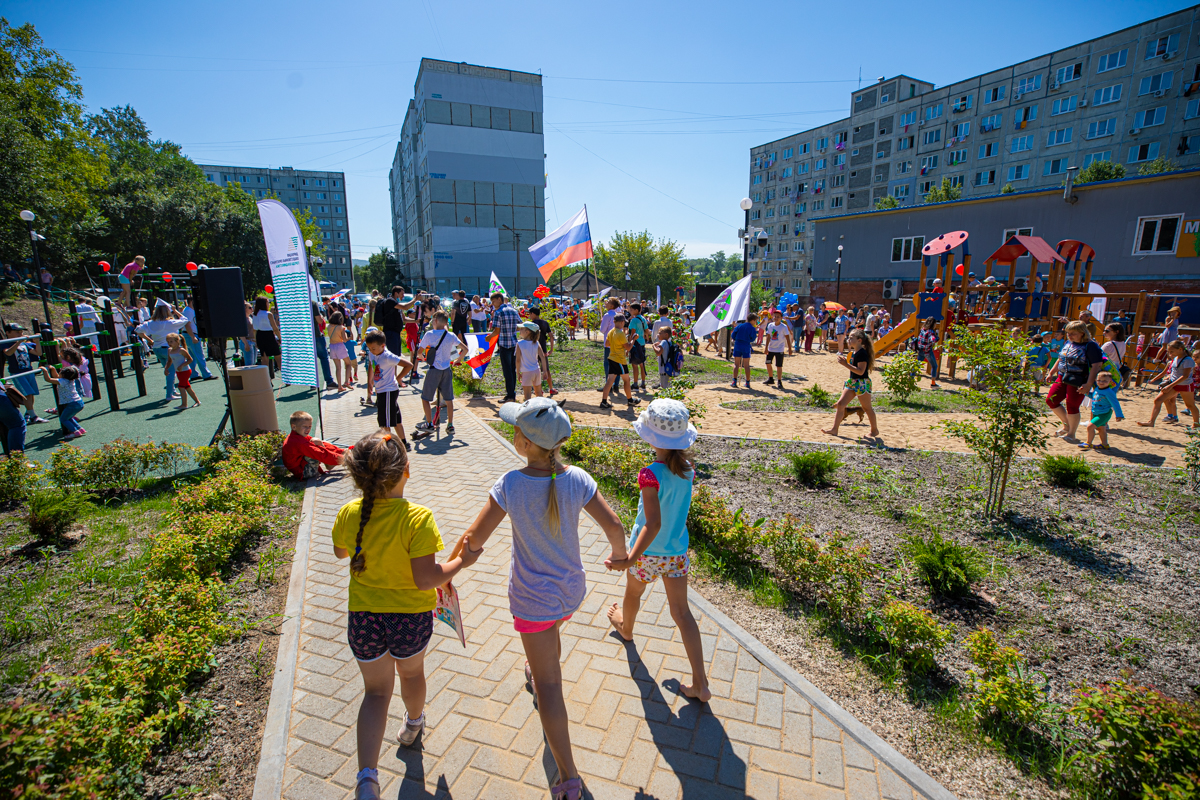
column 832, row 306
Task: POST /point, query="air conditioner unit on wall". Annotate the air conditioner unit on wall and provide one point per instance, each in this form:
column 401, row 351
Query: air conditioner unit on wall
column 1134, row 131
column 1167, row 56
column 892, row 289
column 929, row 284
column 1083, row 103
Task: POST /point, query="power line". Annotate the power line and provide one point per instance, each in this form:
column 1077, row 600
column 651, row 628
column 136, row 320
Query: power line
column 698, row 83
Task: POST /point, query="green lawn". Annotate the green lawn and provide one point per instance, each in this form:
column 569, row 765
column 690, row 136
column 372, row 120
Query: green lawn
column 923, row 402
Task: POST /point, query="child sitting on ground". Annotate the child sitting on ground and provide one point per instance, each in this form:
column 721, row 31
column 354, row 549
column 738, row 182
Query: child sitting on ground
column 304, row 455
column 1104, row 402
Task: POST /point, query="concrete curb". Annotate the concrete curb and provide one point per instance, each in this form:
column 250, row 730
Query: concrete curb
column 268, row 784
column 866, row 737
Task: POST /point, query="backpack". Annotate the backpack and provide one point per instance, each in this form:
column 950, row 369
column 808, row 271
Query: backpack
column 672, row 360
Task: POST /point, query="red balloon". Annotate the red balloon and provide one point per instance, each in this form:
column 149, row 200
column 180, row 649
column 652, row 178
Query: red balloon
column 958, row 270
column 191, row 265
column 105, row 266
column 269, row 289
column 167, row 277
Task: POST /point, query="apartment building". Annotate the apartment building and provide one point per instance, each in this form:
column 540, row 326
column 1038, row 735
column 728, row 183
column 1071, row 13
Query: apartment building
column 1128, row 97
column 322, row 193
column 468, row 179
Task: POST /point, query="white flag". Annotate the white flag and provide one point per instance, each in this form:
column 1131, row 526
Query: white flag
column 496, row 286
column 292, row 285
column 730, row 306
column 595, row 299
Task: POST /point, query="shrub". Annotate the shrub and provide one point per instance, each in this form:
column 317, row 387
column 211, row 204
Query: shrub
column 1068, row 472
column 614, row 461
column 913, row 635
column 118, row 465
column 837, row 572
column 1191, row 458
column 814, row 468
column 471, row 384
column 901, row 374
column 1003, row 687
column 949, row 568
column 680, row 389
column 52, row 512
column 18, row 479
column 1149, row 743
column 819, row 398
column 792, row 546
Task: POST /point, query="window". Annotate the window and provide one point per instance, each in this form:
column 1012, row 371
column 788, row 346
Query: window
column 962, row 130
column 785, row 210
column 770, row 194
column 798, row 246
column 798, row 283
column 908, row 248
column 1020, row 144
column 925, row 187
column 770, row 176
column 988, row 150
column 1149, row 117
column 819, row 186
column 1110, row 61
column 956, row 181
column 985, row 178
column 1070, row 73
column 963, row 103
column 839, row 180
column 1161, row 46
column 787, row 173
column 904, row 142
column 991, row 123
column 305, row 195
column 900, row 192
column 908, row 118
column 836, row 202
column 1156, row 84
column 1091, row 158
column 1060, row 136
column 337, row 196
column 995, row 94
column 1156, row 235
column 839, row 159
column 338, row 210
column 1102, row 127
column 1063, row 105
column 801, row 149
column 840, row 137
column 928, row 163
column 304, row 181
column 820, row 164
column 335, row 185
column 1193, row 109
column 1030, row 84
column 903, row 167
column 756, row 180
column 758, row 197
column 1024, row 116
column 1011, row 232
column 209, row 175
column 800, row 228
column 1143, row 152
column 770, row 229
column 787, row 152
column 340, row 234
column 770, row 213
column 818, row 205
column 823, row 142
column 883, row 98
column 802, row 169
column 1109, row 94
column 932, row 137
column 755, row 214
column 881, row 154
column 320, row 195
column 1056, row 166
column 880, row 177
column 933, row 112
column 957, row 157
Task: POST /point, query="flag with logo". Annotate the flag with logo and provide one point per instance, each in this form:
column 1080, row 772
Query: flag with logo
column 496, row 286
column 293, row 300
column 480, row 349
column 731, row 305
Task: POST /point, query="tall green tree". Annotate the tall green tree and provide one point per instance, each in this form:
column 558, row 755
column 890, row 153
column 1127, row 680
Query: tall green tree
column 379, row 272
column 944, row 192
column 651, row 263
column 1100, row 171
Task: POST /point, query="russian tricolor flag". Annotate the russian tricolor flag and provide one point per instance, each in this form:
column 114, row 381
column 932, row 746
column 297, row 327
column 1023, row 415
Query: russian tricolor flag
column 480, row 349
column 570, row 244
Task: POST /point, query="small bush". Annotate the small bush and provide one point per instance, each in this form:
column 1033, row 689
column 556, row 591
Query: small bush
column 18, row 479
column 1149, row 744
column 1004, row 689
column 471, row 384
column 711, row 520
column 913, row 635
column 820, row 398
column 949, row 568
column 52, row 512
column 680, row 389
column 119, row 465
column 814, row 468
column 1068, row 472
column 837, row 572
column 901, row 374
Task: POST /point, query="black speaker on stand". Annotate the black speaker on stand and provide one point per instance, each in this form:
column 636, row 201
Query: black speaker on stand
column 220, row 304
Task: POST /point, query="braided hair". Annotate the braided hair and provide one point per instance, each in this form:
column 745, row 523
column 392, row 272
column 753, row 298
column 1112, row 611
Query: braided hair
column 376, row 463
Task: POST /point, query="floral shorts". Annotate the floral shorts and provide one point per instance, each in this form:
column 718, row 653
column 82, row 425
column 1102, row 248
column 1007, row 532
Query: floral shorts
column 858, row 385
column 648, row 568
column 371, row 635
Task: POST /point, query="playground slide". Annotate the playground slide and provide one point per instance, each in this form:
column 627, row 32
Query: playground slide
column 898, row 334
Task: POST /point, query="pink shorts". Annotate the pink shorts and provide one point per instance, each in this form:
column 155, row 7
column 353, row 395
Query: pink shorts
column 525, row 626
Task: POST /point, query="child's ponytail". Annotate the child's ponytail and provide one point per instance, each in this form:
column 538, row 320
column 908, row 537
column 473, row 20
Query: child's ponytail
column 377, row 463
column 553, row 521
column 358, row 563
column 679, row 462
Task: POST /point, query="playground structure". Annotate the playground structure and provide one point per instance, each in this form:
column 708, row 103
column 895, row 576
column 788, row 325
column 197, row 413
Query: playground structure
column 1032, row 301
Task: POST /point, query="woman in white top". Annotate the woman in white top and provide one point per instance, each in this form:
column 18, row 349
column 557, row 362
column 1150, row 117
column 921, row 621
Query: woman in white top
column 478, row 315
column 164, row 320
column 266, row 332
column 1114, row 345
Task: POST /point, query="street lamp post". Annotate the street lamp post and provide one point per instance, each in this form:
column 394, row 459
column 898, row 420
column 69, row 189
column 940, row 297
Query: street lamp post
column 517, row 241
column 838, row 296
column 746, row 205
column 628, row 278
column 28, row 217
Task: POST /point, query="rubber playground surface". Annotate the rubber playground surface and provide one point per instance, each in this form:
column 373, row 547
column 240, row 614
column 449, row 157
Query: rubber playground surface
column 151, row 418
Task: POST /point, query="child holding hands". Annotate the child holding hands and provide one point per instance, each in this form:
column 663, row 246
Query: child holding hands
column 393, row 577
column 1104, row 403
column 546, row 582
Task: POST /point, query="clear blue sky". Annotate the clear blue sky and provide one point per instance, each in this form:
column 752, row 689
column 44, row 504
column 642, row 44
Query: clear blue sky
column 650, row 107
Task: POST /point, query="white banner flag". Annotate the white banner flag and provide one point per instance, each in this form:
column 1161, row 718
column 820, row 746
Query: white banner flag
column 731, row 305
column 290, row 279
column 496, row 286
column 596, row 299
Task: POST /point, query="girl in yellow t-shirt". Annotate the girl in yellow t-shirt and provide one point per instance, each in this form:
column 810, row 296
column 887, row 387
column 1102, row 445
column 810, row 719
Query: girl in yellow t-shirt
column 393, row 578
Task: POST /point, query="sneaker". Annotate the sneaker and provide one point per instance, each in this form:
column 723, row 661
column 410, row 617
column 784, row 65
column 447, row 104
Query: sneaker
column 424, row 426
column 605, row 404
column 770, row 382
column 633, row 401
column 1172, row 418
column 934, row 386
column 553, row 392
column 368, row 786
column 407, row 446
column 411, row 730
column 1084, row 446
column 734, row 384
column 449, row 430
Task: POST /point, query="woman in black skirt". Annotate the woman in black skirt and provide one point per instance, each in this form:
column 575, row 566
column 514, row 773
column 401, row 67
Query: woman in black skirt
column 266, row 332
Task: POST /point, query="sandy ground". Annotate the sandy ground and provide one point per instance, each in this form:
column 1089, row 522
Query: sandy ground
column 1158, row 446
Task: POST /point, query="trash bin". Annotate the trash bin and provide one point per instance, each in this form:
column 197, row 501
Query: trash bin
column 252, row 400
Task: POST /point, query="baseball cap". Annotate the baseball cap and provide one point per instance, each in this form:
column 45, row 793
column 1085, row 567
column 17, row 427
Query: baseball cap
column 540, row 419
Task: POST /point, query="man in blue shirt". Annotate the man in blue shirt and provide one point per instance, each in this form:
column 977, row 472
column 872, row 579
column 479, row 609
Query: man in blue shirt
column 505, row 321
column 743, row 338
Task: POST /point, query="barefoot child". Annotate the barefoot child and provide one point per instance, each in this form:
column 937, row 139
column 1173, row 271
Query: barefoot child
column 304, row 455
column 393, row 575
column 338, row 353
column 1178, row 384
column 531, row 360
column 858, row 384
column 779, row 337
column 546, row 581
column 744, row 335
column 381, row 378
column 659, row 544
column 180, row 360
column 1104, row 403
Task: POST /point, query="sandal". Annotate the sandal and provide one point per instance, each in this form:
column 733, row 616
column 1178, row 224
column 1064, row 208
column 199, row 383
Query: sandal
column 568, row 790
column 367, row 787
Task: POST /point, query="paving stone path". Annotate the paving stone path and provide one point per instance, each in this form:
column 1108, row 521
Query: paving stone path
column 633, row 735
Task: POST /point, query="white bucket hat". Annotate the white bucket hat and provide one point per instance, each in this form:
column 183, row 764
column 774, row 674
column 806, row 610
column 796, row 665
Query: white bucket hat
column 666, row 424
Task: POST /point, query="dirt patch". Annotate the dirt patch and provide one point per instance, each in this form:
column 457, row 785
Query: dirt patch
column 882, row 402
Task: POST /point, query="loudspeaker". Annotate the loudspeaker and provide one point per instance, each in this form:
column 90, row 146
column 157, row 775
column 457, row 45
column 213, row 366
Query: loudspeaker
column 220, row 303
column 706, row 293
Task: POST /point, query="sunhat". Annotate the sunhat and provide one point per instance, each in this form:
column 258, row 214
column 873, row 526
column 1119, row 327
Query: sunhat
column 666, row 424
column 530, row 326
column 541, row 420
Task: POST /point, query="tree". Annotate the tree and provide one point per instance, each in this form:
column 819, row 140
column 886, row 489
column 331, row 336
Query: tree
column 1100, row 171
column 943, row 193
column 886, row 202
column 1158, row 166
column 1008, row 189
column 651, row 263
column 379, row 272
column 717, row 268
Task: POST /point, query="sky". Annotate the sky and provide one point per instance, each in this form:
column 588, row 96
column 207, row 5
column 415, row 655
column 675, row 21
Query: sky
column 651, row 108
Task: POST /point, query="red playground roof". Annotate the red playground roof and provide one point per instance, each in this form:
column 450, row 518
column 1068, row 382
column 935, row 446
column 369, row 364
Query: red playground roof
column 1018, row 246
